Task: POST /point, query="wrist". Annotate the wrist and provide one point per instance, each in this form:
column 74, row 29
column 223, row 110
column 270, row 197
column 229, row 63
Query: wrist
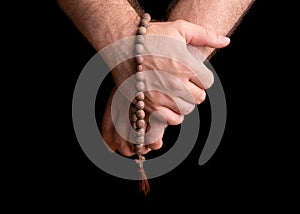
column 102, row 21
column 119, row 25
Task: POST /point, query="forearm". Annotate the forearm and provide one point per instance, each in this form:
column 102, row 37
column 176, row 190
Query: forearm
column 223, row 16
column 102, row 21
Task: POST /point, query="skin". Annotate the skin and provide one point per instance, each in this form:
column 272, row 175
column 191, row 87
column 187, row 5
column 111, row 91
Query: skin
column 103, row 22
column 223, row 16
column 190, row 34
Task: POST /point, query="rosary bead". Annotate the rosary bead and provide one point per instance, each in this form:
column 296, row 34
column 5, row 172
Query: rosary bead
column 140, row 39
column 140, row 124
column 142, row 30
column 139, row 68
column 140, row 114
column 140, row 105
column 139, row 76
column 147, row 17
column 139, row 59
column 144, row 23
column 140, row 86
column 139, row 49
column 140, row 96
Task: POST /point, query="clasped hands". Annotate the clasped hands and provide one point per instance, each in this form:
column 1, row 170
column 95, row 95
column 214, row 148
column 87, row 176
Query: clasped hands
column 176, row 88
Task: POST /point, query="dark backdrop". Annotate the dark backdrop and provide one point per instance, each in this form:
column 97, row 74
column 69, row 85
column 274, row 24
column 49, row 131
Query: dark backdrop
column 240, row 174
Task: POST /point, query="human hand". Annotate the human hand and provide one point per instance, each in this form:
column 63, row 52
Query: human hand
column 156, row 101
column 185, row 33
column 117, row 128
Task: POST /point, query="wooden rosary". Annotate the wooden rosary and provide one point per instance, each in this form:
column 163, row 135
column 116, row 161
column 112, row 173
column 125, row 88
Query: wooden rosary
column 138, row 117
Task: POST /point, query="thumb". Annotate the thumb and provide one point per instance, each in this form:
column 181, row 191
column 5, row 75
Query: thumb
column 200, row 36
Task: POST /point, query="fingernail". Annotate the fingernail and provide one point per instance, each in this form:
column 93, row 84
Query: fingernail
column 225, row 39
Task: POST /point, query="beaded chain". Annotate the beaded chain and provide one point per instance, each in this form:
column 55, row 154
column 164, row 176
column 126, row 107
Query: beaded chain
column 138, row 117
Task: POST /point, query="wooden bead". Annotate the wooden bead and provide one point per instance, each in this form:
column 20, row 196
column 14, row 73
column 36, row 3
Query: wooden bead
column 140, row 39
column 139, row 68
column 139, row 59
column 140, row 114
column 142, row 30
column 144, row 23
column 139, row 49
column 140, row 105
column 146, row 16
column 140, row 124
column 140, row 96
column 140, row 86
column 140, row 76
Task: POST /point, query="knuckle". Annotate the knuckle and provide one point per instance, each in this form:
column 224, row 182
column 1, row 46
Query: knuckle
column 201, row 97
column 180, row 21
column 176, row 120
column 209, row 80
column 186, row 108
column 156, row 145
column 126, row 150
column 126, row 153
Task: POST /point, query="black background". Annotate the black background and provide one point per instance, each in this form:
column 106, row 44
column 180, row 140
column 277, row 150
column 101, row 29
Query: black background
column 245, row 172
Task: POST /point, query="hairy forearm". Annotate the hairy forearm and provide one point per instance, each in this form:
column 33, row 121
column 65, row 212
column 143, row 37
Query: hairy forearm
column 222, row 16
column 102, row 21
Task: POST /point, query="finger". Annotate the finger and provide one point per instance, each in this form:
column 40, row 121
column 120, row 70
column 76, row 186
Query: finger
column 199, row 94
column 198, row 35
column 202, row 76
column 169, row 116
column 124, row 147
column 146, row 149
column 172, row 93
column 121, row 135
column 155, row 131
column 172, row 107
column 107, row 126
column 156, row 101
column 156, row 145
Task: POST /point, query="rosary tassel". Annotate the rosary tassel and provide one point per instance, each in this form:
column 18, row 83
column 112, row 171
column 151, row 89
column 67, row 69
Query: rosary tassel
column 143, row 182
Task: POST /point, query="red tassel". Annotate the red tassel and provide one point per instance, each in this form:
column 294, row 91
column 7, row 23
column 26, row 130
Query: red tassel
column 143, row 182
